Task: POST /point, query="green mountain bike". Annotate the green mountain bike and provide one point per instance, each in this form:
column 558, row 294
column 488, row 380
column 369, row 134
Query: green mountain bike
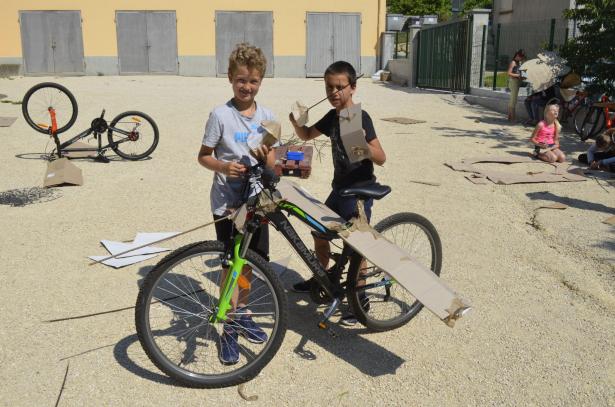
column 186, row 301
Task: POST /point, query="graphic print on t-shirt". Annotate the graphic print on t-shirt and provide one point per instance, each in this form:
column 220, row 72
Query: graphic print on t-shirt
column 243, row 136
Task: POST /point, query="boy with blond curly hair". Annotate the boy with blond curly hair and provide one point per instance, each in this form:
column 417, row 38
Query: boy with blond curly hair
column 225, row 151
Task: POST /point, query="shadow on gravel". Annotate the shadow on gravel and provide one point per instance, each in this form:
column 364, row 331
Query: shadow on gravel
column 342, row 342
column 120, row 352
column 303, row 316
column 573, row 202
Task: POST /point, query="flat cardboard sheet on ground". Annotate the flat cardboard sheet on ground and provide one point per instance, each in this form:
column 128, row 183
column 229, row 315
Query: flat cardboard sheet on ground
column 559, row 172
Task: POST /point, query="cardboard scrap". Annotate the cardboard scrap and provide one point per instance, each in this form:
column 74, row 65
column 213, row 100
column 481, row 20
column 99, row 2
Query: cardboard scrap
column 609, row 221
column 80, row 154
column 352, row 134
column 555, row 205
column 61, row 172
column 402, row 120
column 477, row 179
column 6, row 121
column 560, row 172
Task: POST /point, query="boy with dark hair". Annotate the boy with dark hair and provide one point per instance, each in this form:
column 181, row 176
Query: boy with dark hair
column 340, row 84
column 228, row 130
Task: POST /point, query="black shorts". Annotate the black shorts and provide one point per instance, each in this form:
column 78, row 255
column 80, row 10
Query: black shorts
column 346, row 207
column 225, row 230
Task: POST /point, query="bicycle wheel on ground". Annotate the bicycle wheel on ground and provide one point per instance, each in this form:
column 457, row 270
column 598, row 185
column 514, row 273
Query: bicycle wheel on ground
column 173, row 312
column 377, row 300
column 592, row 123
column 133, row 135
column 46, row 100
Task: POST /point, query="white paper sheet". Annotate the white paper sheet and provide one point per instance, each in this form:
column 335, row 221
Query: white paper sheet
column 119, row 247
column 124, row 261
column 145, row 238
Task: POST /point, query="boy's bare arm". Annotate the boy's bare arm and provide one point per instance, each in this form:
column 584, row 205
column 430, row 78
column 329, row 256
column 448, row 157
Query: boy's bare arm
column 207, row 160
column 303, row 132
column 377, row 153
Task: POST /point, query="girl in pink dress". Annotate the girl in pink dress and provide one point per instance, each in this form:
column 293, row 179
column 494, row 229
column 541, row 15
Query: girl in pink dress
column 546, row 137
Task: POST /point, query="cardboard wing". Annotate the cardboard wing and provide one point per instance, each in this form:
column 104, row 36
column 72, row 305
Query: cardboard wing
column 418, row 279
column 351, row 132
column 62, row 171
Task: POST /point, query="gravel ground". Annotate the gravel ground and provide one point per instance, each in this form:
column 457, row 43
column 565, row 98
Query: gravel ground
column 542, row 282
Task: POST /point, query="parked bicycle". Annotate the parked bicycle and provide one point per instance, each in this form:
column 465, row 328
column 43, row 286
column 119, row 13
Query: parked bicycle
column 184, row 303
column 50, row 108
column 597, row 117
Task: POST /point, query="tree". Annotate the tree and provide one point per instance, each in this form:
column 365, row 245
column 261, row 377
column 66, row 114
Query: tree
column 469, row 5
column 442, row 8
column 592, row 52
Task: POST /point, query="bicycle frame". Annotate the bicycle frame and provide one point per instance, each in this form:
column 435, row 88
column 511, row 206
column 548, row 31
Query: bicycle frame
column 283, row 225
column 98, row 127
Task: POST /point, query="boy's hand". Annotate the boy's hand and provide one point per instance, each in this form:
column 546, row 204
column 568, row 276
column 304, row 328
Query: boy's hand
column 291, row 117
column 261, row 153
column 233, row 169
column 595, row 165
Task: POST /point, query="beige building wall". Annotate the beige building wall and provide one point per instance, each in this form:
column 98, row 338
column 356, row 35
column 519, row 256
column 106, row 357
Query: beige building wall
column 196, row 30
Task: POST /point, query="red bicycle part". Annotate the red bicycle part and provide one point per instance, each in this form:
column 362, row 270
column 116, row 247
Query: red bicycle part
column 54, row 122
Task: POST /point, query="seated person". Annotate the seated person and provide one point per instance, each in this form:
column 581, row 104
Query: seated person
column 601, row 155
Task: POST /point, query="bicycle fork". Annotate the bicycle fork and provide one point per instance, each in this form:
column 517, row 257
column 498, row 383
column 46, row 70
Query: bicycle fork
column 233, row 276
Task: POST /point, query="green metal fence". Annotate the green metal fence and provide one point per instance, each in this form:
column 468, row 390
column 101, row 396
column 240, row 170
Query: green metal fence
column 401, row 44
column 444, row 56
column 531, row 36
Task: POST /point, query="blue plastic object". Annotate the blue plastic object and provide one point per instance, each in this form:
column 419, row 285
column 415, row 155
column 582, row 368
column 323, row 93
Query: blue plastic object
column 295, row 155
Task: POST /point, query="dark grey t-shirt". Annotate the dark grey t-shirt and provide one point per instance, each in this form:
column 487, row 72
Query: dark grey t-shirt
column 228, row 133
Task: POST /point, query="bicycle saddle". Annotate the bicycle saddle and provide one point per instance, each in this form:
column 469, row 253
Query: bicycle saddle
column 375, row 190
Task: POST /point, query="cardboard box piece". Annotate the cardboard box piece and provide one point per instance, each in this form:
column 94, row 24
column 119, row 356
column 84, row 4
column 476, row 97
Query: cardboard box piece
column 62, row 171
column 418, row 279
column 352, row 134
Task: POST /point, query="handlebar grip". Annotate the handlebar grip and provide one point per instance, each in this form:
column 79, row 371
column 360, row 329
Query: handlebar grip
column 269, row 178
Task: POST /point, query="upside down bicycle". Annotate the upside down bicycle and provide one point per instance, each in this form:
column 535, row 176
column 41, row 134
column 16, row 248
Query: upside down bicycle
column 185, row 300
column 50, row 108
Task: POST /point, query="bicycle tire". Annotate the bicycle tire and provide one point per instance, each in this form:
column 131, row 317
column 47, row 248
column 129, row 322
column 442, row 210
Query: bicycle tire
column 579, row 115
column 37, row 101
column 394, row 228
column 167, row 296
column 592, row 124
column 126, row 135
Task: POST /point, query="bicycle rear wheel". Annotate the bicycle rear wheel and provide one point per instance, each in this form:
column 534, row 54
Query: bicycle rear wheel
column 133, row 135
column 377, row 300
column 592, row 124
column 45, row 99
column 172, row 317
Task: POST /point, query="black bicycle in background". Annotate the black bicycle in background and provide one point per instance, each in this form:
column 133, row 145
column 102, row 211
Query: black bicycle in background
column 50, row 108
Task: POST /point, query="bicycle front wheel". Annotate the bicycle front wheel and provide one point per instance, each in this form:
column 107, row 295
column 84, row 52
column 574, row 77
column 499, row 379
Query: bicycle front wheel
column 45, row 101
column 133, row 135
column 173, row 313
column 378, row 301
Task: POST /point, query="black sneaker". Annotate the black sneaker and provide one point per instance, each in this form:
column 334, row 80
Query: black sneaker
column 303, row 286
column 348, row 319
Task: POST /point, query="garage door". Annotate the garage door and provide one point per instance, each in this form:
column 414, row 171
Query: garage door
column 52, row 42
column 234, row 27
column 147, row 42
column 332, row 37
